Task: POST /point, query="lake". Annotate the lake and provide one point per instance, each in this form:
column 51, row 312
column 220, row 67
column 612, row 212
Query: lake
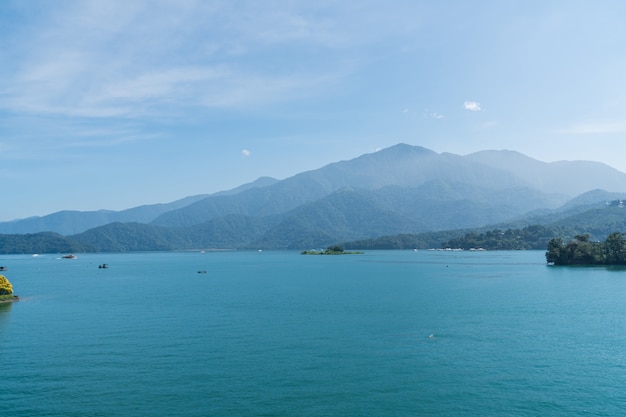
column 385, row 333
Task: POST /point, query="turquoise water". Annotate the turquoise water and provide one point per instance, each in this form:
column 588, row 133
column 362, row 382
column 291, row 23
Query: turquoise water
column 279, row 334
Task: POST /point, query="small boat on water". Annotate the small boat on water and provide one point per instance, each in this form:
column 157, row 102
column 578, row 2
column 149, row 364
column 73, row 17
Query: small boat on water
column 3, row 268
column 103, row 266
column 70, row 256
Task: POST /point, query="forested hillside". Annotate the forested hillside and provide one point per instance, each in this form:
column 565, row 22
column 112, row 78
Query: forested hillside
column 597, row 223
column 41, row 243
column 402, row 196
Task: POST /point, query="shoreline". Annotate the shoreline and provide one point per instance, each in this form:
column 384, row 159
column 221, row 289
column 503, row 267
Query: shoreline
column 13, row 299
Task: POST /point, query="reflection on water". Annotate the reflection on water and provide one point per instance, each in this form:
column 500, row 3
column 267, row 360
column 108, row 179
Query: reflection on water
column 5, row 310
column 387, row 333
column 5, row 307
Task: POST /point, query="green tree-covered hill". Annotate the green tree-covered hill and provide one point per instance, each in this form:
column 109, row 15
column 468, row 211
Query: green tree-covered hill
column 598, row 223
column 402, row 196
column 44, row 242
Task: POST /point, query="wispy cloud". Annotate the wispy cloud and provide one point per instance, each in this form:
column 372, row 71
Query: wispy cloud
column 594, row 128
column 132, row 59
column 245, row 153
column 433, row 115
column 35, row 138
column 472, row 106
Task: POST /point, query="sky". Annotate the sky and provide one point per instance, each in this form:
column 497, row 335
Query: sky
column 110, row 104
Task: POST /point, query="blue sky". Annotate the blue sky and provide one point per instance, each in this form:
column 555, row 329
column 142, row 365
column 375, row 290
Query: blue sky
column 112, row 104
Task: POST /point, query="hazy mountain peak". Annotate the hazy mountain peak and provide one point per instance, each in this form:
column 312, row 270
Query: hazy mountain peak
column 484, row 179
column 564, row 177
column 405, row 149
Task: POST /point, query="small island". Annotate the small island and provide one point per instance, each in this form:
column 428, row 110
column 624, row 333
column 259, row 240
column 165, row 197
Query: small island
column 583, row 251
column 331, row 250
column 6, row 291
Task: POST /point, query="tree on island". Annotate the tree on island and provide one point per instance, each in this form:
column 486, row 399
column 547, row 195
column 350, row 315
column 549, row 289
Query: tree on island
column 582, row 251
column 615, row 249
column 5, row 286
column 331, row 250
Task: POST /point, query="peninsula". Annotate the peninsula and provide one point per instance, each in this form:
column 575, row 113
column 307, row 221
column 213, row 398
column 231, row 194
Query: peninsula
column 583, row 251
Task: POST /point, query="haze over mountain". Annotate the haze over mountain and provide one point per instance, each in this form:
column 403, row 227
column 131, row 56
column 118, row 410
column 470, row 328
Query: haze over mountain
column 567, row 177
column 406, row 167
column 401, row 189
column 71, row 222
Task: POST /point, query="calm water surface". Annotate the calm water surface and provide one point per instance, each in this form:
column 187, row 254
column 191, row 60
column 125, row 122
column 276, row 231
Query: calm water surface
column 279, row 334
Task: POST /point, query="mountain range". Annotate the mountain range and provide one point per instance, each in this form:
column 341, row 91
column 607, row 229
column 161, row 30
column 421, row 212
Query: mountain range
column 403, row 189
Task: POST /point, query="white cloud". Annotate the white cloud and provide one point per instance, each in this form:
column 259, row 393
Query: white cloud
column 472, row 106
column 245, row 153
column 434, row 115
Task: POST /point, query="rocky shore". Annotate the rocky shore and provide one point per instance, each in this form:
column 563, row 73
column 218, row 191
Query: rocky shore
column 8, row 298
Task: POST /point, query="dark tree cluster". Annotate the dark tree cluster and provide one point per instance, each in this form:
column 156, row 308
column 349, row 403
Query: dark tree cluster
column 530, row 237
column 582, row 251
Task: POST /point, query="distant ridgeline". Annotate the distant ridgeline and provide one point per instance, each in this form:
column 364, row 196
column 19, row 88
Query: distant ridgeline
column 583, row 251
column 327, row 225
